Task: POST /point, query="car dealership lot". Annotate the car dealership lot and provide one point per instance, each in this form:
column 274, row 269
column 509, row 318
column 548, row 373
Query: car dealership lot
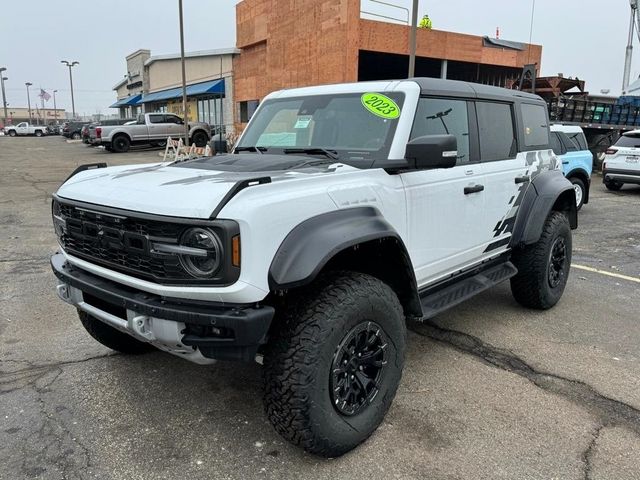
column 490, row 390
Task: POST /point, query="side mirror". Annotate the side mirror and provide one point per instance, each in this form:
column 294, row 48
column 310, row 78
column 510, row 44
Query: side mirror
column 432, row 151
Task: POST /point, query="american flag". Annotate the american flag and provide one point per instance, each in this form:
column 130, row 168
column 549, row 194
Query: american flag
column 44, row 95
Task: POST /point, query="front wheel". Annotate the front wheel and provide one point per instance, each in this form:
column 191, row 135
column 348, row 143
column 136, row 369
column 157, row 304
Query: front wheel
column 543, row 268
column 333, row 363
column 12, row 133
column 581, row 191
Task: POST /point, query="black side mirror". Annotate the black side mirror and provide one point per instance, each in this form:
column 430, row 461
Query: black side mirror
column 432, row 151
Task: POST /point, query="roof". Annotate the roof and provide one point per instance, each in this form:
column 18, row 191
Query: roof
column 499, row 43
column 456, row 88
column 120, row 83
column 210, row 87
column 199, row 53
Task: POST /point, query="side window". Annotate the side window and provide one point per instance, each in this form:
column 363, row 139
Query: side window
column 497, row 135
column 156, row 118
column 536, row 125
column 569, row 144
column 21, row 125
column 579, row 140
column 436, row 116
column 556, row 145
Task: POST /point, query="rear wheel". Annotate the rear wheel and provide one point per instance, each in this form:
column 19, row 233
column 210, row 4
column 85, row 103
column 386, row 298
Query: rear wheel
column 543, row 268
column 581, row 191
column 120, row 144
column 333, row 363
column 38, row 133
column 76, row 136
column 200, row 139
column 112, row 338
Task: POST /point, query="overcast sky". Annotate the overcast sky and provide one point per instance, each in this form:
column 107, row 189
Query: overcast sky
column 578, row 38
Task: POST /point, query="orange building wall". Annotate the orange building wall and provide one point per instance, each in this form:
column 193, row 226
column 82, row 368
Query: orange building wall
column 293, row 43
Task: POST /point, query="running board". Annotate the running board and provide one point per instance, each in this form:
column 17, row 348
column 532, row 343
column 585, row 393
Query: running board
column 441, row 300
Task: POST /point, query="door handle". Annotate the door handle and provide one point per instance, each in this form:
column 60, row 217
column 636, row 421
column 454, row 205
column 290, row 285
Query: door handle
column 522, row 179
column 473, row 189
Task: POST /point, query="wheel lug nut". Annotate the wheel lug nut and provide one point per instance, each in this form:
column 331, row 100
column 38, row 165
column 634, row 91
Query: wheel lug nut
column 352, row 377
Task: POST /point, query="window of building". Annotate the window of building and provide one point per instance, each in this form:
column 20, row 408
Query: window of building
column 536, row 125
column 210, row 111
column 436, row 116
column 497, row 134
column 247, row 109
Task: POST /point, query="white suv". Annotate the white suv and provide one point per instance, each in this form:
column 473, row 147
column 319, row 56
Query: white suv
column 622, row 162
column 342, row 211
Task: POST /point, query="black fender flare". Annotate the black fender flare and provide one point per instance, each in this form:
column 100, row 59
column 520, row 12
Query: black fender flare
column 311, row 244
column 547, row 191
column 582, row 174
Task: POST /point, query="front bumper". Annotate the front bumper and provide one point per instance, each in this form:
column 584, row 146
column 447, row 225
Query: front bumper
column 621, row 175
column 198, row 331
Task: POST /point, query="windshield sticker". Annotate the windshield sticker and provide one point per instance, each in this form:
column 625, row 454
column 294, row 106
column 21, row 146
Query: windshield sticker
column 303, row 121
column 380, row 105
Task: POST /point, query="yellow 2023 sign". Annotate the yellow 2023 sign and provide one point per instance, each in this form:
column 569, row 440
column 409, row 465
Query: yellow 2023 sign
column 380, row 105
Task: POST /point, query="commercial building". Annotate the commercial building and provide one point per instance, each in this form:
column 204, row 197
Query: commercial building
column 154, row 84
column 47, row 116
column 291, row 44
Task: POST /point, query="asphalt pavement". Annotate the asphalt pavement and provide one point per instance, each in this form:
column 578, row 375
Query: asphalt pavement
column 490, row 390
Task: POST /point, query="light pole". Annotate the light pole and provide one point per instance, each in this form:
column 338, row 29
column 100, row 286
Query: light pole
column 71, row 64
column 4, row 98
column 55, row 110
column 28, row 84
column 412, row 39
column 184, row 79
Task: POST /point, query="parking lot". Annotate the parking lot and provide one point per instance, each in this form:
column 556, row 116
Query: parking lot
column 490, row 390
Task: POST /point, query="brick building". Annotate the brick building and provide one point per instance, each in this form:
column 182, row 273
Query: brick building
column 287, row 43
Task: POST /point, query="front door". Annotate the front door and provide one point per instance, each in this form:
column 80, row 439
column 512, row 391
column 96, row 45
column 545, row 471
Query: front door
column 445, row 206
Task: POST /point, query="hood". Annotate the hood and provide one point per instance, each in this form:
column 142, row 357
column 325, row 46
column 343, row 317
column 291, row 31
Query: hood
column 192, row 189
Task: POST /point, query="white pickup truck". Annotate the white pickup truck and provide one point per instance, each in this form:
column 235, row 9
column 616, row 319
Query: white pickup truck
column 25, row 128
column 149, row 129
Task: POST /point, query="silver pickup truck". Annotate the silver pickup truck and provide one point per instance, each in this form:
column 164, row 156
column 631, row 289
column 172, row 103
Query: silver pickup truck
column 149, row 129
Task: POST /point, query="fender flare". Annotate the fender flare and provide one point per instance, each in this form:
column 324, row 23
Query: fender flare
column 582, row 174
column 545, row 191
column 311, row 244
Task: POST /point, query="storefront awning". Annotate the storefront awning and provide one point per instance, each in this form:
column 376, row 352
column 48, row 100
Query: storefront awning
column 213, row 87
column 128, row 101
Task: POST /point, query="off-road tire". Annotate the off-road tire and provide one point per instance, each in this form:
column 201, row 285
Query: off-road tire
column 303, row 346
column 112, row 338
column 613, row 186
column 200, row 139
column 120, row 144
column 579, row 183
column 532, row 286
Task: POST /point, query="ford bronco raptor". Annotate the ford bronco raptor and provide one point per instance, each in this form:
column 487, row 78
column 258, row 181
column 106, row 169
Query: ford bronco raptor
column 342, row 211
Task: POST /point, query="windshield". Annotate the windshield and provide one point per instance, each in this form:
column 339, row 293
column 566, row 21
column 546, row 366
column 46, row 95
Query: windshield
column 629, row 141
column 355, row 126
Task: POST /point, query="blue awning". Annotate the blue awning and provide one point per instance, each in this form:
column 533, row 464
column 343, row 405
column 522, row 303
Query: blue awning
column 128, row 101
column 213, row 87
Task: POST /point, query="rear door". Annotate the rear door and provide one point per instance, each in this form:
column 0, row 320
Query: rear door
column 505, row 170
column 445, row 206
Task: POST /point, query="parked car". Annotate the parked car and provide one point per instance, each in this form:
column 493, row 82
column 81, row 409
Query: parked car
column 25, row 128
column 570, row 144
column 622, row 162
column 73, row 130
column 343, row 211
column 149, row 129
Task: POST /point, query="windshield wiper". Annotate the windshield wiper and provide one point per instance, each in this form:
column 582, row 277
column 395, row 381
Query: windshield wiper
column 332, row 154
column 250, row 148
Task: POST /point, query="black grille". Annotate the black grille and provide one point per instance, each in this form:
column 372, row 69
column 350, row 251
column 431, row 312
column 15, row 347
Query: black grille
column 122, row 243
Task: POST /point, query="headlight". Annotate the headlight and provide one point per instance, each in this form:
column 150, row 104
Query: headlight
column 59, row 224
column 205, row 252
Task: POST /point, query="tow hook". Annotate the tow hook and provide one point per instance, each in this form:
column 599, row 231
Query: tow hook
column 140, row 325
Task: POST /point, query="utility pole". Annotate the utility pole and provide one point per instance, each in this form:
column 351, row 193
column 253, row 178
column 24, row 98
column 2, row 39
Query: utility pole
column 28, row 84
column 71, row 64
column 184, row 79
column 629, row 53
column 4, row 98
column 412, row 39
column 55, row 110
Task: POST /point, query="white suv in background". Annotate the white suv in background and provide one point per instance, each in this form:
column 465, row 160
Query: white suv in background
column 622, row 162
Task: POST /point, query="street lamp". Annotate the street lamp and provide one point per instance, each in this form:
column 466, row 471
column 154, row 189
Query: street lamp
column 55, row 110
column 4, row 98
column 71, row 64
column 28, row 84
column 184, row 78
